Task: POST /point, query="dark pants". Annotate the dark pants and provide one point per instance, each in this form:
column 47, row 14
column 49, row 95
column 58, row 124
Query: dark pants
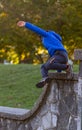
column 56, row 62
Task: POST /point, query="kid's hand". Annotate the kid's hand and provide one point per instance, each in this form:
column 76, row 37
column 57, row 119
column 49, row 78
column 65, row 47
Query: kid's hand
column 21, row 23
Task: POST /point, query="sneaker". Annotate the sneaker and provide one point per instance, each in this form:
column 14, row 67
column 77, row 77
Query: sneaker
column 43, row 82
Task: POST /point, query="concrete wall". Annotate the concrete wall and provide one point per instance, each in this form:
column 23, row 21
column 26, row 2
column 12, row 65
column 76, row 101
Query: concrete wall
column 56, row 108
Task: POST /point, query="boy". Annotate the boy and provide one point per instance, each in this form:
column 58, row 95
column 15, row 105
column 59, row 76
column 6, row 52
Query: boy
column 53, row 43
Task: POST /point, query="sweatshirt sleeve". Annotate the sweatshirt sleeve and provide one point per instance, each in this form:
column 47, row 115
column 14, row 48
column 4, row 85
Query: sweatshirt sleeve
column 36, row 29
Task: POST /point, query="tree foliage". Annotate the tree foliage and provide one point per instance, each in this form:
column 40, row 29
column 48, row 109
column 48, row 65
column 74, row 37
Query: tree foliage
column 65, row 17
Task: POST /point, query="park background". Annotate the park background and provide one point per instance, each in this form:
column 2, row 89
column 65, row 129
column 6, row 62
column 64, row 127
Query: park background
column 19, row 45
column 22, row 47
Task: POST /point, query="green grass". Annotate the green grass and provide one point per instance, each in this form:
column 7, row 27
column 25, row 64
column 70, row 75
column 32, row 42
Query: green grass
column 17, row 85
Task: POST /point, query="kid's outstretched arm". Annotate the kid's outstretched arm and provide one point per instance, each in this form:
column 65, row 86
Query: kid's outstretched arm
column 33, row 28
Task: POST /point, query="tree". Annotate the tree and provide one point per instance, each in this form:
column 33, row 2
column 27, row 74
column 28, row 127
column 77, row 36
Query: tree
column 64, row 17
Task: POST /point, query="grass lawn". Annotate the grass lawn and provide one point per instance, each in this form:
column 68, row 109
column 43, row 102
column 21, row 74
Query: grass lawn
column 17, row 85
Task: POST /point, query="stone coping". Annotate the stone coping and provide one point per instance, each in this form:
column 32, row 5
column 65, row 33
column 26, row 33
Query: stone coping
column 64, row 76
column 24, row 114
column 14, row 111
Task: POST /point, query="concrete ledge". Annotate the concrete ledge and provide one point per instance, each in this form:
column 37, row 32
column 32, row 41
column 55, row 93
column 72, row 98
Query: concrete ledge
column 14, row 111
column 63, row 76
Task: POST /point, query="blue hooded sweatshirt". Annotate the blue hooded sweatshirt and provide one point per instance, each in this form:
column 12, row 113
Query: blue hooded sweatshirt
column 50, row 39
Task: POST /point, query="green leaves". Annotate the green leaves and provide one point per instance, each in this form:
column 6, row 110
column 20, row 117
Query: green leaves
column 64, row 17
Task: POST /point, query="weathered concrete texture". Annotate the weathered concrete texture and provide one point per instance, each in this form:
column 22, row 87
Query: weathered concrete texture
column 56, row 108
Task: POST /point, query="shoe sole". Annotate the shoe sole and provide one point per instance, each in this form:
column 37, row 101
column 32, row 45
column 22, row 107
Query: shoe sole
column 41, row 84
